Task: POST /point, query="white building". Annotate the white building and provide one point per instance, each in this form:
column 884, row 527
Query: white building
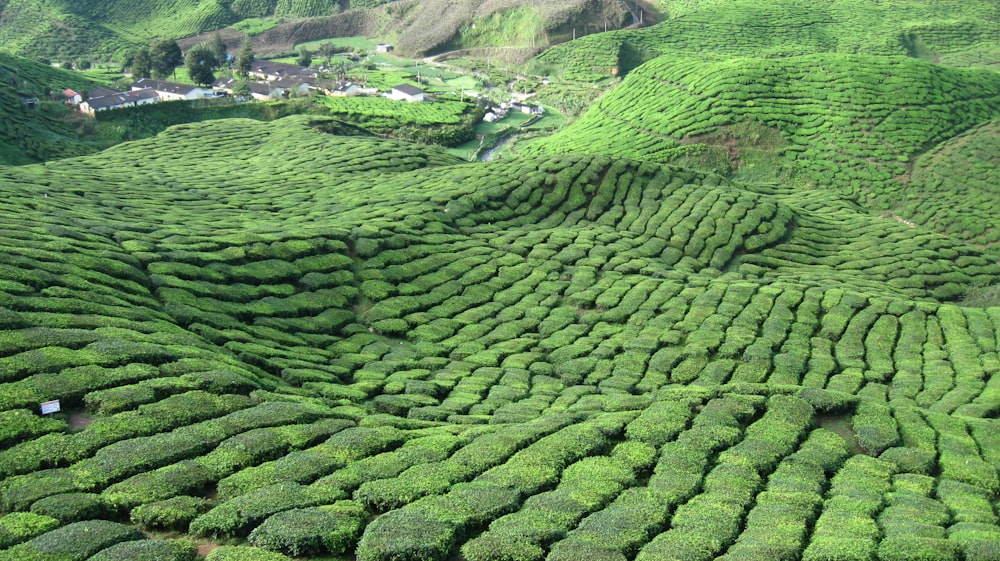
column 406, row 92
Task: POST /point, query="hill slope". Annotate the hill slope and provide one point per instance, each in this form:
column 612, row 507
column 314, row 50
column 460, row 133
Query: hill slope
column 46, row 129
column 855, row 124
column 279, row 334
column 952, row 33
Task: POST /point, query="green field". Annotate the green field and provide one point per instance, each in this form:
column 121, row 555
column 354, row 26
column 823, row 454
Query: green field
column 324, row 344
column 743, row 304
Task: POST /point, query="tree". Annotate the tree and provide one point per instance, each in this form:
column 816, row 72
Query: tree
column 219, row 50
column 305, row 57
column 244, row 58
column 142, row 64
column 200, row 61
column 166, row 57
column 241, row 89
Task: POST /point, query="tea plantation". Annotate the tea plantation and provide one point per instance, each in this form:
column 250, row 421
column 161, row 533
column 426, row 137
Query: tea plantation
column 293, row 343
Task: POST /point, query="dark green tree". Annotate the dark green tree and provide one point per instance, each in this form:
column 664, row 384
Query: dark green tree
column 200, row 61
column 244, row 58
column 219, row 50
column 305, row 57
column 142, row 64
column 166, row 56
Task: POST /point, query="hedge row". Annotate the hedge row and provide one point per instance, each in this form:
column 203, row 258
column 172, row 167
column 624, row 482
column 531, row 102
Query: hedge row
column 846, row 530
column 704, row 527
column 467, row 462
column 639, row 513
column 239, row 451
column 125, row 458
column 74, row 542
column 586, row 486
column 443, row 519
column 308, row 465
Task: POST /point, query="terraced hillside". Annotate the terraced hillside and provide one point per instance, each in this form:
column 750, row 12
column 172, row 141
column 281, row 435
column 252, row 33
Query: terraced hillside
column 878, row 130
column 330, row 345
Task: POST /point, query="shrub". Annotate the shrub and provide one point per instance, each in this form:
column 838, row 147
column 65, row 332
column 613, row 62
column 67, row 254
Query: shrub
column 172, row 514
column 239, row 515
column 17, row 527
column 21, row 491
column 406, row 536
column 71, row 507
column 911, row 548
column 311, row 531
column 149, row 550
column 74, row 542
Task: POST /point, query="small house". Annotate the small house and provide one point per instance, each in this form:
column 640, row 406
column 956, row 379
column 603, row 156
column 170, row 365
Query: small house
column 224, row 86
column 527, row 109
column 343, row 89
column 270, row 71
column 292, row 86
column 72, row 97
column 266, row 92
column 490, row 116
column 406, row 92
column 383, row 48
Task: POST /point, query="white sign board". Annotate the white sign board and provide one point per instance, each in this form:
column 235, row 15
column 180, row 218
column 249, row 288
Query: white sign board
column 50, row 407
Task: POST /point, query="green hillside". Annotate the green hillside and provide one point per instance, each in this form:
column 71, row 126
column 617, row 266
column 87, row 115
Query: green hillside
column 858, row 125
column 323, row 345
column 953, row 33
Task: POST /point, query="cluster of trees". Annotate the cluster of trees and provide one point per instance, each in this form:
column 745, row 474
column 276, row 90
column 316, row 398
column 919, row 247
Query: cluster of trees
column 162, row 58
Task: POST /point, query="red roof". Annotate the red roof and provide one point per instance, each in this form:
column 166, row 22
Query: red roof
column 69, row 93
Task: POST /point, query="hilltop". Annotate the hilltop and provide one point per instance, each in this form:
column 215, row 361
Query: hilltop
column 110, row 28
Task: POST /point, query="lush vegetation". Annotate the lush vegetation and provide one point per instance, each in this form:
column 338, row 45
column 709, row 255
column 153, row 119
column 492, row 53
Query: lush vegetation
column 323, row 344
column 744, row 308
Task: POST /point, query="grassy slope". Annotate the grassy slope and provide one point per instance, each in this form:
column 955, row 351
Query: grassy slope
column 279, row 318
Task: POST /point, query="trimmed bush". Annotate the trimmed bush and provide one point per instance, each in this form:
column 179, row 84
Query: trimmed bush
column 241, row 514
column 149, row 550
column 17, row 527
column 243, row 553
column 406, row 536
column 311, row 531
column 74, row 542
column 171, row 514
column 71, row 507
